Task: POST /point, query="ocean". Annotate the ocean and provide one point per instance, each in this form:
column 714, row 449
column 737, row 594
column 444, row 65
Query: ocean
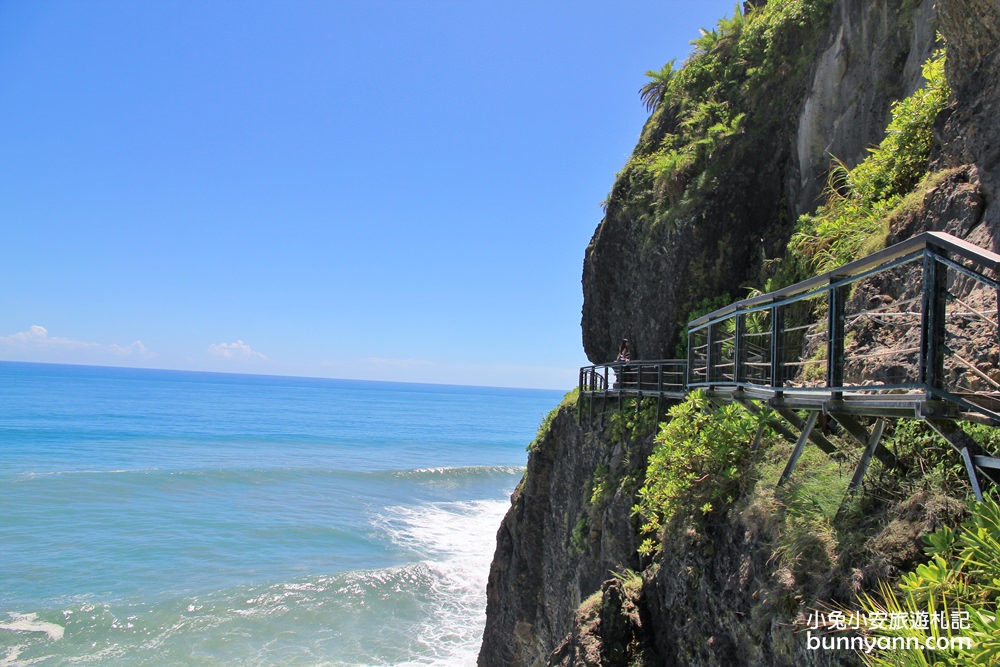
column 175, row 518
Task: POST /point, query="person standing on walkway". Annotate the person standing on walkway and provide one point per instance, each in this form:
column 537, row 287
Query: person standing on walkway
column 624, row 356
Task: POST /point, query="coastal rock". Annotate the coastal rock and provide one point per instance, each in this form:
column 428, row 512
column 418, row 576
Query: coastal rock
column 559, row 540
column 873, row 56
column 642, row 276
column 715, row 595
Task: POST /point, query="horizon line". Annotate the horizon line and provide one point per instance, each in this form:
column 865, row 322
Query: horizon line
column 275, row 375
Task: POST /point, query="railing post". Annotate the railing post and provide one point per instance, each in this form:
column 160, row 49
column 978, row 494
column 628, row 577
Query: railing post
column 622, row 383
column 590, row 401
column 932, row 321
column 689, row 371
column 659, row 390
column 777, row 349
column 739, row 374
column 709, row 369
column 835, row 340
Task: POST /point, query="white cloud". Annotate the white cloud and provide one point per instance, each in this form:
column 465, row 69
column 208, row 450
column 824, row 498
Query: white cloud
column 34, row 334
column 36, row 340
column 135, row 347
column 238, row 351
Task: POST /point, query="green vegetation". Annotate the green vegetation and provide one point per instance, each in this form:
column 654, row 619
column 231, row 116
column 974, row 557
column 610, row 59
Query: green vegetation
column 628, row 427
column 601, row 488
column 637, row 419
column 569, row 399
column 705, row 463
column 854, row 221
column 630, row 580
column 799, row 516
column 727, row 83
column 961, row 581
column 699, row 460
column 656, row 89
column 703, row 307
column 939, row 465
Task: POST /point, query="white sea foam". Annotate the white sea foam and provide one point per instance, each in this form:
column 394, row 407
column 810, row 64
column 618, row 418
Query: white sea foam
column 427, row 613
column 467, row 470
column 31, row 476
column 261, row 551
column 31, row 623
column 9, row 659
column 456, row 541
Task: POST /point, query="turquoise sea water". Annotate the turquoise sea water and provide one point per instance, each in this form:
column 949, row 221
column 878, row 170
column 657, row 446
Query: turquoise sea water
column 173, row 518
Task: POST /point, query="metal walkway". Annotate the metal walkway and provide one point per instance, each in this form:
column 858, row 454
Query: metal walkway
column 911, row 331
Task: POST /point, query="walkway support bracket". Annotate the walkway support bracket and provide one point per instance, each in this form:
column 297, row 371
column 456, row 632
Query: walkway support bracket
column 973, row 456
column 860, row 433
column 799, row 446
column 817, row 438
column 874, row 442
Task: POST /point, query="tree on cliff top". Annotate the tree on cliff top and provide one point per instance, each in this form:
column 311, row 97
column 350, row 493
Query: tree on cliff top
column 655, row 90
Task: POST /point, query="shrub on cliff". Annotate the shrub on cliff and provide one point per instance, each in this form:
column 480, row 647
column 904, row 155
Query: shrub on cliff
column 854, row 220
column 568, row 400
column 699, row 461
column 736, row 67
column 958, row 588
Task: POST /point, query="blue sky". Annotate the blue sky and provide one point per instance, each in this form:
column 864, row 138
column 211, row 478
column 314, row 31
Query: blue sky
column 379, row 189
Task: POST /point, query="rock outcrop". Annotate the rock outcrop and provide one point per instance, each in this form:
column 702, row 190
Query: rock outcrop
column 970, row 133
column 641, row 280
column 553, row 548
column 714, row 595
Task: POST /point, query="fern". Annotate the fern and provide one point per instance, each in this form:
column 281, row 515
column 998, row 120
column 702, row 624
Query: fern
column 854, row 220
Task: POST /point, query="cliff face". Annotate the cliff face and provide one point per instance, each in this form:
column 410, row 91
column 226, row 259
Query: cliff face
column 642, row 276
column 714, row 595
column 553, row 549
column 567, row 587
column 872, row 55
column 970, row 133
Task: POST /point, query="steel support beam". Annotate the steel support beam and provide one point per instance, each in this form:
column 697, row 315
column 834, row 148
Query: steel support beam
column 860, row 433
column 818, row 438
column 970, row 450
column 874, row 440
column 799, row 446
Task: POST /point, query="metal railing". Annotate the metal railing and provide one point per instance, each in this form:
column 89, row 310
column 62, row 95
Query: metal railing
column 920, row 316
column 912, row 331
column 665, row 376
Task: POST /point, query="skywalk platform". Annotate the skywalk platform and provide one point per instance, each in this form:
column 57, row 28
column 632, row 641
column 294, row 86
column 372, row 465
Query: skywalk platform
column 908, row 332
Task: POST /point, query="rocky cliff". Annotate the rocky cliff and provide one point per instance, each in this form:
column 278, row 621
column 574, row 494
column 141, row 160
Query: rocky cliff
column 828, row 93
column 567, row 584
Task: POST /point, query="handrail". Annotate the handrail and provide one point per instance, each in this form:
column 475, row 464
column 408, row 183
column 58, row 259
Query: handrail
column 919, row 243
column 773, row 345
column 664, row 376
